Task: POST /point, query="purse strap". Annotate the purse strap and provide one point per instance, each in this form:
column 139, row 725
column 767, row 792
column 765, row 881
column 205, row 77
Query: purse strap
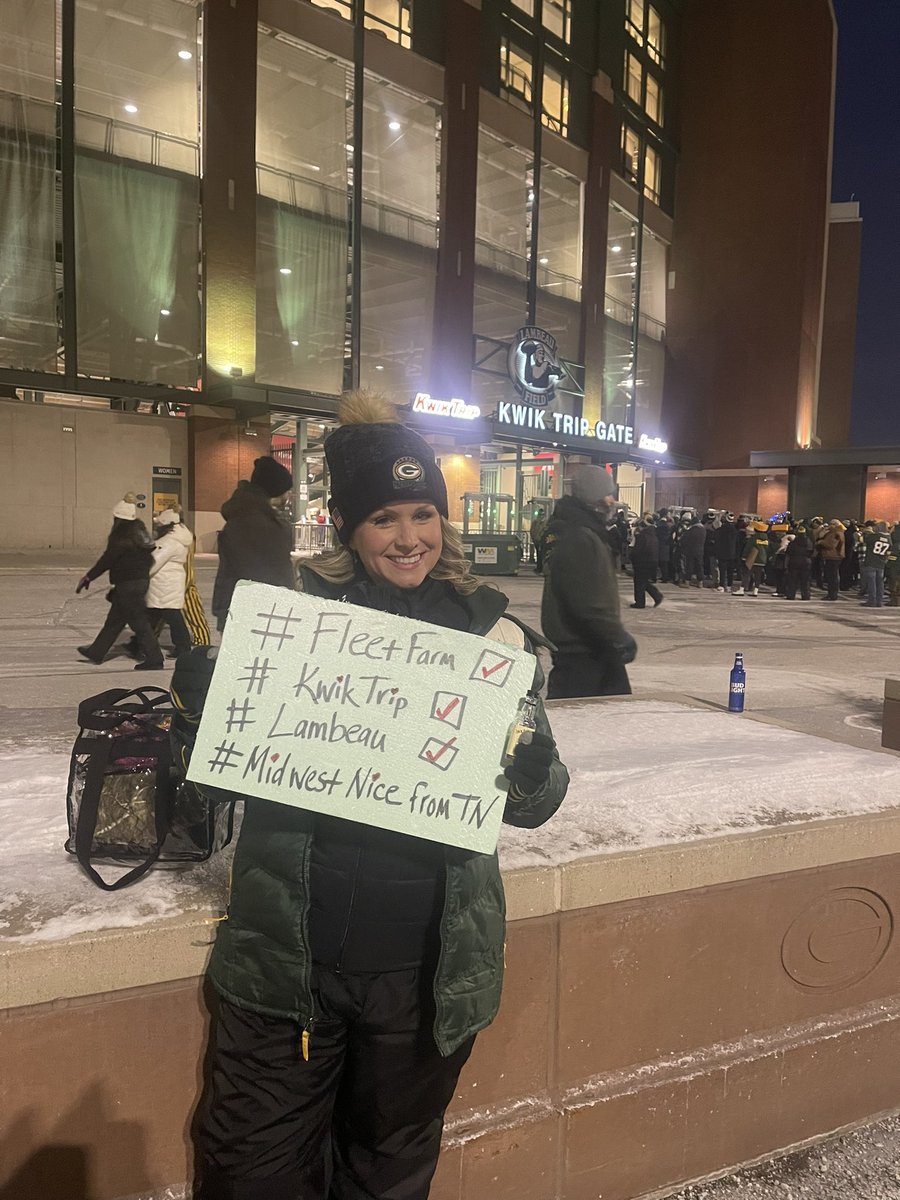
column 86, row 825
column 142, row 699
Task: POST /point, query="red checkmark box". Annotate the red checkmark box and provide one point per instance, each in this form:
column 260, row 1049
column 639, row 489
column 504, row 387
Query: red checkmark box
column 443, row 713
column 488, row 671
column 434, row 755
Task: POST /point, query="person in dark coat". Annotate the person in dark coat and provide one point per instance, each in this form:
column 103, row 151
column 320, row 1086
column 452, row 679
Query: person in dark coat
column 726, row 552
column 580, row 605
column 256, row 542
column 798, row 565
column 128, row 557
column 645, row 561
column 358, row 964
column 693, row 541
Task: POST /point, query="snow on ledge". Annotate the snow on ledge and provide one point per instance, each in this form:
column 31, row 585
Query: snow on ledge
column 644, row 773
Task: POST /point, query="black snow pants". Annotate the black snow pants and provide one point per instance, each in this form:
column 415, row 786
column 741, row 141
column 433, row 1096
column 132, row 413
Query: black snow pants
column 644, row 574
column 797, row 576
column 361, row 1119
column 127, row 606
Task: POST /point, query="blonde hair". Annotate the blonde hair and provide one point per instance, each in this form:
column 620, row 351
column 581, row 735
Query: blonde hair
column 339, row 566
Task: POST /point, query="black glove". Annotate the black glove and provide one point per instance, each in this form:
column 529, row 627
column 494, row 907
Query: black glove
column 530, row 767
column 83, row 582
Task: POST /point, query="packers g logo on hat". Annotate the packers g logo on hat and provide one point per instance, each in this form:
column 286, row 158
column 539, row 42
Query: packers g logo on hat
column 408, row 470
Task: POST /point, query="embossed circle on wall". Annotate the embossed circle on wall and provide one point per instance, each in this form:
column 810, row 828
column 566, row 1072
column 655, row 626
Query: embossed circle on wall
column 838, row 940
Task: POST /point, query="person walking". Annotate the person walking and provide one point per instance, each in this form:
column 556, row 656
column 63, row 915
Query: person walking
column 831, row 550
column 168, row 580
column 645, row 562
column 128, row 557
column 798, row 565
column 357, row 965
column 580, row 604
column 877, row 545
column 194, row 614
column 256, row 542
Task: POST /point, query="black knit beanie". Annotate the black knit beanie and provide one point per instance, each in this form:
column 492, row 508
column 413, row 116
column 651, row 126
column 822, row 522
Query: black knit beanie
column 374, row 460
column 271, row 476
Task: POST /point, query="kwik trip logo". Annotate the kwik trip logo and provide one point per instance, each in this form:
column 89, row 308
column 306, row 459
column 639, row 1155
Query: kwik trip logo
column 533, row 365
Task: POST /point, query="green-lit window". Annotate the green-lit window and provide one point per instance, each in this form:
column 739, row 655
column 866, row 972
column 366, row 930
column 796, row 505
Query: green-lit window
column 516, row 73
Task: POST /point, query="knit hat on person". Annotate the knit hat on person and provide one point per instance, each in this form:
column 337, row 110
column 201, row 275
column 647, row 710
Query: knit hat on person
column 592, row 485
column 271, row 476
column 168, row 516
column 375, row 460
column 126, row 509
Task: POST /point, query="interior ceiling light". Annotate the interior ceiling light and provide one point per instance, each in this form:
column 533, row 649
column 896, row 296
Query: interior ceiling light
column 164, row 312
column 394, row 126
column 284, row 270
column 294, row 342
column 185, row 55
column 543, row 261
column 379, row 367
column 617, row 249
column 131, row 108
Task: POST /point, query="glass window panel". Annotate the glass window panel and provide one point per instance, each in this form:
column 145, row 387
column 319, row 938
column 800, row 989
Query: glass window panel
column 620, row 266
column 29, row 335
column 634, row 21
column 516, row 73
column 559, row 259
column 653, row 286
column 343, row 8
column 651, row 362
column 390, row 18
column 654, row 100
column 651, row 174
column 303, row 229
column 137, row 208
column 555, row 101
column 631, row 154
column 557, row 18
column 618, row 364
column 401, row 156
column 525, row 6
column 633, row 78
column 656, row 36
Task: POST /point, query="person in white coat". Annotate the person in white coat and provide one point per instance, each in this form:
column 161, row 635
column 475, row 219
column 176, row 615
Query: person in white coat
column 165, row 595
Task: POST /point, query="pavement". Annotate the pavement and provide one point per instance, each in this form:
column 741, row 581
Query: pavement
column 811, row 666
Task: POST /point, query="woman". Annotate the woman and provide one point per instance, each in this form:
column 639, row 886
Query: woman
column 168, row 578
column 357, row 965
column 128, row 557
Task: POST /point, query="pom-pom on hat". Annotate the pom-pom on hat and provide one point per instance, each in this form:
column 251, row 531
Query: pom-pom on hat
column 126, row 509
column 271, row 476
column 374, row 460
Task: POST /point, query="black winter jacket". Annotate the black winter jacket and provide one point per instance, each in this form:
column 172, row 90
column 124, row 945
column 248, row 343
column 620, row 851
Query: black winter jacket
column 800, row 550
column 128, row 555
column 255, row 544
column 726, row 541
column 645, row 551
column 580, row 605
column 290, row 864
column 693, row 540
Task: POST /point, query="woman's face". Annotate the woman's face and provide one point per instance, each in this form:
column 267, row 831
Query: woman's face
column 400, row 543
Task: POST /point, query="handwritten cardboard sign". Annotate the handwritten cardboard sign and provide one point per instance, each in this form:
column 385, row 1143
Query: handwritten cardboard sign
column 363, row 715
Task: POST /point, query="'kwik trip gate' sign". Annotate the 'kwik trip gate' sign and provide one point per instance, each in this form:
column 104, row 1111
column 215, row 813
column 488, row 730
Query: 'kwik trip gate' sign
column 563, row 425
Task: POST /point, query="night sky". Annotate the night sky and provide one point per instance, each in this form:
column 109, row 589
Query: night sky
column 867, row 169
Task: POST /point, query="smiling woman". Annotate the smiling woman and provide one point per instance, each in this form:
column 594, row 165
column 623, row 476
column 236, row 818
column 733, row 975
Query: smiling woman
column 331, row 919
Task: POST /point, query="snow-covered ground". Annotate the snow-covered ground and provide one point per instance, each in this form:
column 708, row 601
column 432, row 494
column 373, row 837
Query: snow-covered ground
column 644, row 773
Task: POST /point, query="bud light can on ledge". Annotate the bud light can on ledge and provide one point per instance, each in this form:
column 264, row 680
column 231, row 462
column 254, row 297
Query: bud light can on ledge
column 737, row 685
